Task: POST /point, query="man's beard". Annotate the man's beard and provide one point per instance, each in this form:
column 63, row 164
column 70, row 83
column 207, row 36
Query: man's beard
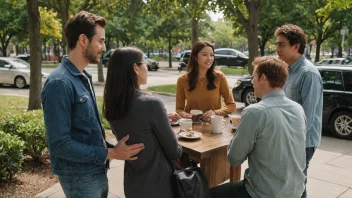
column 89, row 55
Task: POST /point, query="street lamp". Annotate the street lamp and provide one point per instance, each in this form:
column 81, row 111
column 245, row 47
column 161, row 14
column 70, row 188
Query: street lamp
column 344, row 31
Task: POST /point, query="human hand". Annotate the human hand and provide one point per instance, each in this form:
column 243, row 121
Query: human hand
column 207, row 115
column 121, row 151
column 173, row 117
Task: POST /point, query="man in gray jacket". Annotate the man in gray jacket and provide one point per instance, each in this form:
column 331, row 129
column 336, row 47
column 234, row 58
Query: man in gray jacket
column 271, row 134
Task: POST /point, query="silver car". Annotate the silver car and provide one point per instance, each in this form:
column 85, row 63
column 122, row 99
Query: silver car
column 16, row 72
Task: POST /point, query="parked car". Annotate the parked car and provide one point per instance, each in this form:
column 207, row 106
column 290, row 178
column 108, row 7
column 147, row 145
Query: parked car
column 24, row 57
column 151, row 64
column 230, row 57
column 184, row 60
column 337, row 98
column 16, row 72
column 334, row 61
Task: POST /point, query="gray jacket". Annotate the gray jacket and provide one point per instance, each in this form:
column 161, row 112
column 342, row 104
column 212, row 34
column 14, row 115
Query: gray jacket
column 147, row 123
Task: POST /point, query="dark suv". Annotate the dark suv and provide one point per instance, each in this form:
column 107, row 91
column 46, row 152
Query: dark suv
column 230, row 57
column 337, row 104
column 151, row 64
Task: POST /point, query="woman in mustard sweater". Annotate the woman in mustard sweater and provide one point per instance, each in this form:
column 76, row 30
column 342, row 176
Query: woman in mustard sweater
column 202, row 86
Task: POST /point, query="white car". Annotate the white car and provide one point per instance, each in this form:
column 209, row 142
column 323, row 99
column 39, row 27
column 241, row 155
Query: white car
column 333, row 61
column 16, row 72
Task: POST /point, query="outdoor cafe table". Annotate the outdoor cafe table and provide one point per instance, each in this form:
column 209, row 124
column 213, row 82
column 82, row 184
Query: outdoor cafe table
column 211, row 152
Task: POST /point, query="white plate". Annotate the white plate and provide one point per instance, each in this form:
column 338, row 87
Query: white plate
column 197, row 135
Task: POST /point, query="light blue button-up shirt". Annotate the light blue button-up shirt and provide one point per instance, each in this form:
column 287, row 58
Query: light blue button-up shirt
column 272, row 135
column 304, row 85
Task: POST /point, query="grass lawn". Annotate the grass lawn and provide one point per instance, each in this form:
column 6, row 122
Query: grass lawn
column 163, row 88
column 234, row 70
column 17, row 104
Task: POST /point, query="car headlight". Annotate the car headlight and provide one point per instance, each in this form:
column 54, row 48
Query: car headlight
column 237, row 83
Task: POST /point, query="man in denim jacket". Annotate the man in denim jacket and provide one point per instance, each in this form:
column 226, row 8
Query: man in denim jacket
column 304, row 84
column 79, row 153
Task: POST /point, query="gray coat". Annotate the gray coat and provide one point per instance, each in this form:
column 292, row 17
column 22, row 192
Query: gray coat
column 147, row 123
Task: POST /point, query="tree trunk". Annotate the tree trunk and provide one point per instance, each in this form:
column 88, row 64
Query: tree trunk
column 101, row 72
column 317, row 52
column 44, row 46
column 339, row 54
column 17, row 49
column 332, row 52
column 262, row 47
column 252, row 34
column 194, row 31
column 35, row 60
column 170, row 54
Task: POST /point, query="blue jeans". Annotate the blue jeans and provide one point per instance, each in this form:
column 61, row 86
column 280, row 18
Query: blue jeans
column 88, row 186
column 309, row 155
column 230, row 190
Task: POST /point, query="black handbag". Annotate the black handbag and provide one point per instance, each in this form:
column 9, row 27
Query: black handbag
column 189, row 182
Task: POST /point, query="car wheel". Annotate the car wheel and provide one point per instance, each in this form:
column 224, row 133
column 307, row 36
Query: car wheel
column 149, row 68
column 20, row 82
column 156, row 69
column 249, row 98
column 341, row 125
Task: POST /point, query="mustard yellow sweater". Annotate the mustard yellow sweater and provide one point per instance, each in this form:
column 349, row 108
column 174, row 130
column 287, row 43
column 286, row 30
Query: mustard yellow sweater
column 203, row 99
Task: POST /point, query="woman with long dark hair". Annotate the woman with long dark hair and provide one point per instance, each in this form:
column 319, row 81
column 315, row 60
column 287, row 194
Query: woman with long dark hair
column 202, row 86
column 145, row 120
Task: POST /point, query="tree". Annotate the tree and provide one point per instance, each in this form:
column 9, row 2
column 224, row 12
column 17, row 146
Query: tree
column 12, row 21
column 195, row 9
column 247, row 13
column 174, row 30
column 50, row 27
column 326, row 23
column 36, row 57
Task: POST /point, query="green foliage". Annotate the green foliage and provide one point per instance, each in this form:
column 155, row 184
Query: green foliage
column 13, row 20
column 11, row 148
column 29, row 126
column 163, row 88
column 234, row 71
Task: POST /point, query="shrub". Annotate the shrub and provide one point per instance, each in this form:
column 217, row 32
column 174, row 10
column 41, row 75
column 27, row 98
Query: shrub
column 33, row 132
column 29, row 126
column 11, row 148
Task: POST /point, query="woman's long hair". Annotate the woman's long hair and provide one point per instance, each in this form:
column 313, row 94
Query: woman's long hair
column 193, row 69
column 121, row 82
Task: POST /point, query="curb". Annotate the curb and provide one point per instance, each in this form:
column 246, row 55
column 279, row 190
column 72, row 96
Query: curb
column 159, row 93
column 50, row 191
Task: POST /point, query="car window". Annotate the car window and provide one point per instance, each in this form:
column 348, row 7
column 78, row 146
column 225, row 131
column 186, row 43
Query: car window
column 324, row 62
column 335, row 62
column 332, row 80
column 187, row 54
column 223, row 52
column 347, row 78
column 233, row 53
column 3, row 63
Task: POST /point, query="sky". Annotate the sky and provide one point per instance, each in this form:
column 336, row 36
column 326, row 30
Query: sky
column 215, row 16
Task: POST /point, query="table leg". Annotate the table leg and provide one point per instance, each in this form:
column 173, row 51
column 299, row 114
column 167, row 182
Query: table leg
column 235, row 173
column 216, row 168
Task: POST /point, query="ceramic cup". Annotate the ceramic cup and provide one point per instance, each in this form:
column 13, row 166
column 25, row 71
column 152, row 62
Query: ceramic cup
column 217, row 124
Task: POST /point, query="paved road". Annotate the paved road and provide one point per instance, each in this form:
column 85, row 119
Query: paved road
column 163, row 76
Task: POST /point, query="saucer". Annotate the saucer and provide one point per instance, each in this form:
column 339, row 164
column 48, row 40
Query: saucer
column 176, row 123
column 196, row 135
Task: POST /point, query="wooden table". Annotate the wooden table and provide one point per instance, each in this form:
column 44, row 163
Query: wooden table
column 211, row 151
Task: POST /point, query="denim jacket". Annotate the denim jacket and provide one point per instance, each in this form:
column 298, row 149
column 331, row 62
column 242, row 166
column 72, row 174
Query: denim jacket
column 76, row 138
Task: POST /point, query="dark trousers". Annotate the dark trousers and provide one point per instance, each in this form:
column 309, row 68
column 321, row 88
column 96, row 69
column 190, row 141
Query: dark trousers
column 309, row 155
column 230, row 190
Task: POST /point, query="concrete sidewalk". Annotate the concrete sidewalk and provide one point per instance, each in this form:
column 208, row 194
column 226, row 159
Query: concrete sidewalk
column 329, row 174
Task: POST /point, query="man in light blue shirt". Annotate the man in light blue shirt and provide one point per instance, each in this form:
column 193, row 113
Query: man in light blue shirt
column 304, row 84
column 271, row 134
